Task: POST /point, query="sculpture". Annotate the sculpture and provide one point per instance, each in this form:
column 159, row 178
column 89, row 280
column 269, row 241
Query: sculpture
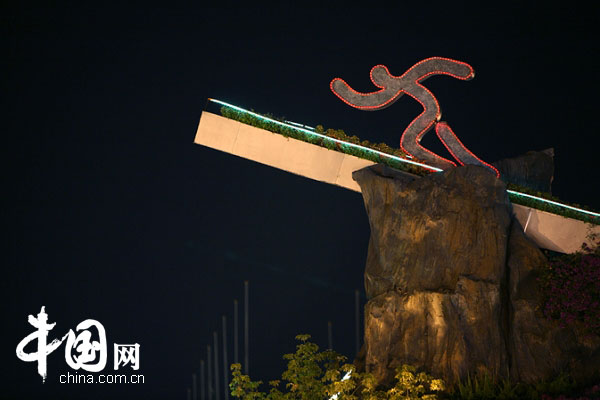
column 393, row 87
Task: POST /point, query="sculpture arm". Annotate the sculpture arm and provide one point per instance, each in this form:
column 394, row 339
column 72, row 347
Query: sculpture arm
column 364, row 101
column 439, row 66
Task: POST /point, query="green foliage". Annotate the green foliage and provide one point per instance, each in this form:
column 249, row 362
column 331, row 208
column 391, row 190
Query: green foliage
column 314, row 375
column 413, row 385
column 242, row 386
column 483, row 386
column 310, row 374
column 370, row 153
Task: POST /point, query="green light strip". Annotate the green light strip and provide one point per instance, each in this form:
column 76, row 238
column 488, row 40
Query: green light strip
column 389, row 155
column 554, row 203
column 325, row 136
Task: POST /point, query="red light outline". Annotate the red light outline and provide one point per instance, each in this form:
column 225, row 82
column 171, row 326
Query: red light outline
column 423, row 131
column 400, row 92
column 442, row 125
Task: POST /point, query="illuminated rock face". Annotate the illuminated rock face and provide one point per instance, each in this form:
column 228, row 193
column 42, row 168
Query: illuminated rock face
column 449, row 277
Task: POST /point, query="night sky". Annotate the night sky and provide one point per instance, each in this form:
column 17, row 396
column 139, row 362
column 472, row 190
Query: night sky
column 111, row 212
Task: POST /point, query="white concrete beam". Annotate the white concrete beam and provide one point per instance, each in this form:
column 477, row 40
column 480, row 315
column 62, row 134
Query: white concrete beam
column 277, row 151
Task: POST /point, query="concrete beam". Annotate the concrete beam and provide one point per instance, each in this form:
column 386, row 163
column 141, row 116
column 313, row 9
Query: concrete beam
column 277, row 151
column 554, row 232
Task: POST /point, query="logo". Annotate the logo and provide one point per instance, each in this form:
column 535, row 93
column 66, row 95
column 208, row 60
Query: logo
column 85, row 348
column 127, row 354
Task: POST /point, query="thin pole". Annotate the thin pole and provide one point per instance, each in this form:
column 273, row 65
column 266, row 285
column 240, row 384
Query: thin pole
column 189, row 394
column 329, row 335
column 246, row 339
column 217, row 388
column 202, row 381
column 194, row 387
column 356, row 318
column 225, row 372
column 235, row 332
column 209, row 388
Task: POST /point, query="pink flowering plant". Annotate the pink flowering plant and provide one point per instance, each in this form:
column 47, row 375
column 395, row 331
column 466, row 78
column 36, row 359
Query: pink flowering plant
column 571, row 286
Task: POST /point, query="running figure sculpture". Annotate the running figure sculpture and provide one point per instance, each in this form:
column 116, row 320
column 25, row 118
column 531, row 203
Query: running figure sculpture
column 393, row 87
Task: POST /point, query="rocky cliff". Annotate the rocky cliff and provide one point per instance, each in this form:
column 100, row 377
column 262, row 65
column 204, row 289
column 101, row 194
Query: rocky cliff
column 450, row 281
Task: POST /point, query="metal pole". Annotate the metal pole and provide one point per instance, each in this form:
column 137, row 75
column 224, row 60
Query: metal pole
column 246, row 339
column 329, row 335
column 217, row 388
column 356, row 317
column 189, row 394
column 225, row 372
column 235, row 332
column 209, row 388
column 202, row 381
column 194, row 387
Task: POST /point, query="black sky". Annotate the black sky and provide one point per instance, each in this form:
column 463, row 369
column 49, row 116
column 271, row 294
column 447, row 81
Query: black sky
column 111, row 212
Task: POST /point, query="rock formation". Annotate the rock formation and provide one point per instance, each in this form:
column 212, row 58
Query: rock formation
column 450, row 279
column 534, row 169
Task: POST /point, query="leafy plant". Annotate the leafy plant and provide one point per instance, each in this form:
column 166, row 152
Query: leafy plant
column 484, row 387
column 413, row 385
column 311, row 374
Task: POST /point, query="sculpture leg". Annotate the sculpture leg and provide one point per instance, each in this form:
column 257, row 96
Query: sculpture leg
column 458, row 150
column 411, row 137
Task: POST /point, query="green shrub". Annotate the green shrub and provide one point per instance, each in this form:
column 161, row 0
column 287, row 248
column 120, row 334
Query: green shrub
column 314, row 375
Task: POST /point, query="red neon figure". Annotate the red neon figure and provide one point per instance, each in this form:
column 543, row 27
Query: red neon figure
column 393, row 87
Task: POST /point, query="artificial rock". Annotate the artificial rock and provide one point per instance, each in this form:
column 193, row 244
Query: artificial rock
column 450, row 282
